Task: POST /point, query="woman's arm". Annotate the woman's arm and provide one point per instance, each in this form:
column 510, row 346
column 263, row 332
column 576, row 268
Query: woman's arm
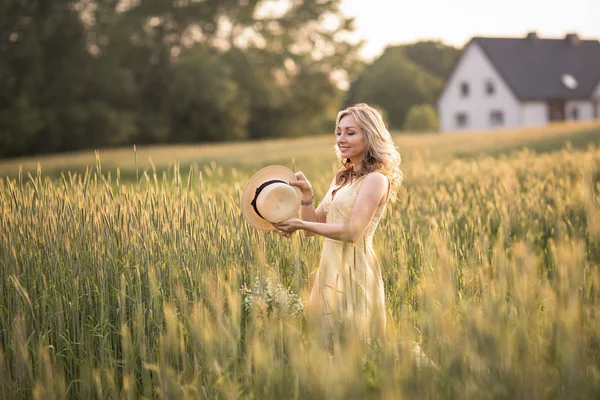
column 372, row 192
column 309, row 212
column 312, row 215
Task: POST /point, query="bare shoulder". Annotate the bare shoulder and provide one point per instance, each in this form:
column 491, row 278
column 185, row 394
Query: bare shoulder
column 376, row 185
column 376, row 178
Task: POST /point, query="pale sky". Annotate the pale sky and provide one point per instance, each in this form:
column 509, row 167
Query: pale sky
column 385, row 22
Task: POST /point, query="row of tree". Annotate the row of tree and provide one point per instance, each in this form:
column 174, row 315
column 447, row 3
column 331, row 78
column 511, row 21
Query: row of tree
column 79, row 74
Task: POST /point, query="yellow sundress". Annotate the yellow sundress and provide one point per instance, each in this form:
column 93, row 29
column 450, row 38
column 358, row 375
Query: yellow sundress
column 348, row 286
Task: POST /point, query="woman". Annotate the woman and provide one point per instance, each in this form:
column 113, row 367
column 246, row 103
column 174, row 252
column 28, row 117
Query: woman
column 348, row 284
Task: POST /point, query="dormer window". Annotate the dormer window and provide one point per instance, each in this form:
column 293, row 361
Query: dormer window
column 569, row 81
column 464, row 89
column 490, row 88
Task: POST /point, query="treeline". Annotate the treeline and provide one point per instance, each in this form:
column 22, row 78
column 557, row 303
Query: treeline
column 78, row 74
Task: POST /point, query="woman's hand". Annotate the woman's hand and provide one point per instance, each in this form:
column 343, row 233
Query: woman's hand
column 286, row 228
column 303, row 184
column 283, row 234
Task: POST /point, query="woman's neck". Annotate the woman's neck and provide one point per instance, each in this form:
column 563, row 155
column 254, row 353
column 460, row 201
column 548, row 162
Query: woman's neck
column 357, row 165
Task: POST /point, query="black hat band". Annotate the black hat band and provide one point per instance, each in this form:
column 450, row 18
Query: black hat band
column 260, row 189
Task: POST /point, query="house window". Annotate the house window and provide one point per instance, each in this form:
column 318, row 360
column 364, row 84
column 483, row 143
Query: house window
column 462, row 120
column 464, row 89
column 490, row 88
column 575, row 113
column 496, row 118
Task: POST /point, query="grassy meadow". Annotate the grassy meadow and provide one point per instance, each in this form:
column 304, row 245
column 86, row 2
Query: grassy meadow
column 124, row 274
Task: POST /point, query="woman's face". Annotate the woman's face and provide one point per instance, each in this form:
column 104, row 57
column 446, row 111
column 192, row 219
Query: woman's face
column 350, row 139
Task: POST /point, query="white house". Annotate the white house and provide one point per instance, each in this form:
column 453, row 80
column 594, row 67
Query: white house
column 512, row 82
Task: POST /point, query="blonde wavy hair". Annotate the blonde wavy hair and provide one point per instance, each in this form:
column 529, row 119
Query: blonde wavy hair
column 381, row 154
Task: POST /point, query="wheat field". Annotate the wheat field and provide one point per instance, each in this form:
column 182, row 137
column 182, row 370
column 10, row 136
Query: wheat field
column 140, row 279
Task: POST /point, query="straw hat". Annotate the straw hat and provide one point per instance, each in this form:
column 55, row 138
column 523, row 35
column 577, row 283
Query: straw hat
column 269, row 198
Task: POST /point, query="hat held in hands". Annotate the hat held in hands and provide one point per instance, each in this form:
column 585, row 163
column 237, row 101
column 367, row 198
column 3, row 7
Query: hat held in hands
column 269, row 198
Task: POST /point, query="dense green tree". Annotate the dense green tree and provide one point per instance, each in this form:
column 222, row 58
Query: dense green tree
column 56, row 95
column 203, row 85
column 421, row 118
column 288, row 70
column 302, row 103
column 275, row 57
column 434, row 57
column 91, row 73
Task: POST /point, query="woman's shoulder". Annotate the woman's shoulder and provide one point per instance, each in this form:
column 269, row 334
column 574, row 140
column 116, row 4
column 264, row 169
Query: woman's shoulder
column 376, row 178
column 377, row 182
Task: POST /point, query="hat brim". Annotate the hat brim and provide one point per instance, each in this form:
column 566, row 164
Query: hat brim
column 269, row 173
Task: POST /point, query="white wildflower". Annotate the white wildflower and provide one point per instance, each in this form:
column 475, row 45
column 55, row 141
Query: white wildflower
column 274, row 300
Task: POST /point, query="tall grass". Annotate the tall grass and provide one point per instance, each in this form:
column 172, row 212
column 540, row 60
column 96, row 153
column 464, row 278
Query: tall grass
column 132, row 290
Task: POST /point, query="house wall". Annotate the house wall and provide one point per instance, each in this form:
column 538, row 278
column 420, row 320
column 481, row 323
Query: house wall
column 475, row 69
column 534, row 113
column 596, row 94
column 596, row 99
column 585, row 110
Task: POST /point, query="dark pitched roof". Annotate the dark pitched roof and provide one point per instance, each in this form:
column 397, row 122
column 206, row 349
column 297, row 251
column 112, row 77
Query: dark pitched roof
column 533, row 67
